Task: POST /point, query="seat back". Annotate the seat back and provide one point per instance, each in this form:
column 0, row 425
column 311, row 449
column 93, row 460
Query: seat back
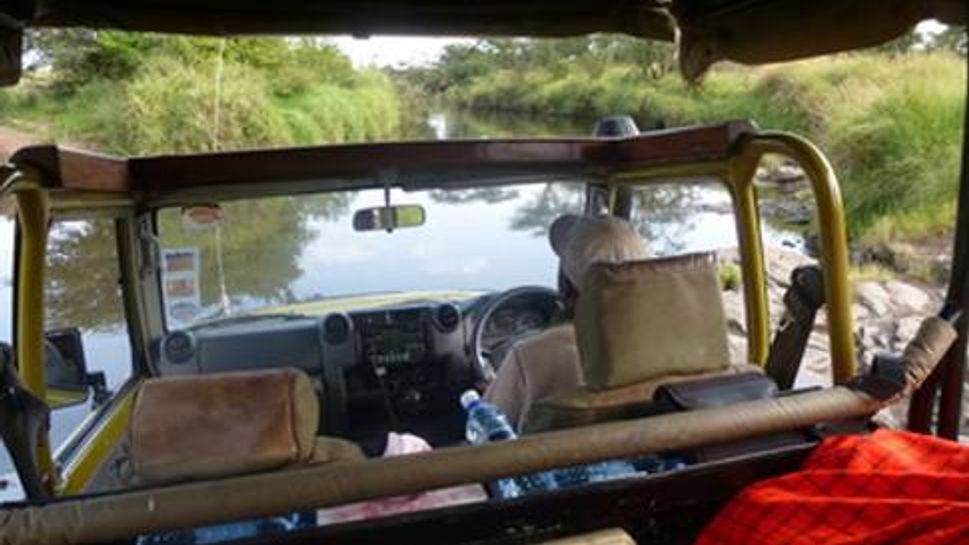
column 638, row 325
column 192, row 427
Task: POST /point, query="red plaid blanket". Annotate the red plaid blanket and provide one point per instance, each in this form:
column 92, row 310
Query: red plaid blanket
column 889, row 487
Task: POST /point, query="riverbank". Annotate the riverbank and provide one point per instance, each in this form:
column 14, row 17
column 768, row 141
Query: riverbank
column 891, row 124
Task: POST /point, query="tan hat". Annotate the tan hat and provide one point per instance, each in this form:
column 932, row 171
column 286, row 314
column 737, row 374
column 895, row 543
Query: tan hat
column 580, row 241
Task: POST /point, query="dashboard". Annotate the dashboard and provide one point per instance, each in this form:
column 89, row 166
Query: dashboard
column 398, row 368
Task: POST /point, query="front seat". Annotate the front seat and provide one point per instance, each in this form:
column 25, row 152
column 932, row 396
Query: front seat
column 225, row 424
column 640, row 325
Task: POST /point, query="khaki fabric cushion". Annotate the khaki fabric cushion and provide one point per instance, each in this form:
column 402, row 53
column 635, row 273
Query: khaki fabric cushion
column 193, row 427
column 612, row 536
column 641, row 320
column 536, row 368
column 329, row 450
column 583, row 406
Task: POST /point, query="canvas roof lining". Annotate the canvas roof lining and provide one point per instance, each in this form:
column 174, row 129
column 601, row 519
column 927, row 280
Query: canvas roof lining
column 748, row 31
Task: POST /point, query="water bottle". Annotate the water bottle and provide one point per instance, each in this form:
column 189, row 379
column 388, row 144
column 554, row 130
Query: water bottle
column 486, row 423
column 593, row 473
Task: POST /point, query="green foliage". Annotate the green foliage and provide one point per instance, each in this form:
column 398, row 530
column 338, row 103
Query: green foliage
column 890, row 123
column 951, row 39
column 460, row 64
column 173, row 107
column 898, row 157
column 148, row 93
column 730, row 276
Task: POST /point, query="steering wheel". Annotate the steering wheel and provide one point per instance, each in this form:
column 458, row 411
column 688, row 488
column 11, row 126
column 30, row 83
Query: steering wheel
column 488, row 359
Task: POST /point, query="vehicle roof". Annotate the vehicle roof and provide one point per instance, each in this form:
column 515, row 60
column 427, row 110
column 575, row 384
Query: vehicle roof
column 170, row 179
column 749, row 31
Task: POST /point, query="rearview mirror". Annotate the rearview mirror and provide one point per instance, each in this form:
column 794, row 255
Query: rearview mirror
column 65, row 371
column 388, row 218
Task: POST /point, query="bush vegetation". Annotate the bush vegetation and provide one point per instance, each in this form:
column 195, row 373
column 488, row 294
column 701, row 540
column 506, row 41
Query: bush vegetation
column 889, row 119
column 131, row 93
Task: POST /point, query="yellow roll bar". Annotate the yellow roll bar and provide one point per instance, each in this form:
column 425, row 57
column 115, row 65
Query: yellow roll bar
column 737, row 173
column 33, row 215
column 833, row 238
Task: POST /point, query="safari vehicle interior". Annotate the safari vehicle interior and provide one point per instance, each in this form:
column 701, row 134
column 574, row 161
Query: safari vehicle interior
column 273, row 413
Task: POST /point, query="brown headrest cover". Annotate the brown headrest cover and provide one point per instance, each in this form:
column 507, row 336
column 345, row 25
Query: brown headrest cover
column 639, row 320
column 194, row 427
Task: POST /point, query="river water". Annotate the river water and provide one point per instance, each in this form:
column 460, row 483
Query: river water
column 473, row 239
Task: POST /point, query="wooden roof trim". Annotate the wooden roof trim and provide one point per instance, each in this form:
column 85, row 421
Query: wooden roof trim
column 69, row 169
column 76, row 170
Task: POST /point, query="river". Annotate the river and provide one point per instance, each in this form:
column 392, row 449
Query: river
column 503, row 246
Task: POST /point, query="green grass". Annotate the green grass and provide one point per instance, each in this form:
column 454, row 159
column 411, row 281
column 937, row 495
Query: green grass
column 891, row 124
column 730, row 276
column 168, row 106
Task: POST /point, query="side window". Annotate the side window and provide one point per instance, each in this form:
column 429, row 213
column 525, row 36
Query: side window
column 83, row 294
column 7, row 233
column 9, row 485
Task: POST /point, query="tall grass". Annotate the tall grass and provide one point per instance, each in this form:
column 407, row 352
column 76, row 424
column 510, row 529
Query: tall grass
column 891, row 124
column 171, row 106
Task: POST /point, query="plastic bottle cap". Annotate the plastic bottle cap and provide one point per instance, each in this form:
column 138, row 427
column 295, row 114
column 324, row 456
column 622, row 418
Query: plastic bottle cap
column 469, row 398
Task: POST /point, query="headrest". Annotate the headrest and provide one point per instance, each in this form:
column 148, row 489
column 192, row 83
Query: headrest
column 639, row 320
column 192, row 427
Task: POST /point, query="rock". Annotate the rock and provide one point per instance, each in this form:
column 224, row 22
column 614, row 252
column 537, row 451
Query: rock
column 874, row 297
column 738, row 348
column 786, row 174
column 859, row 312
column 908, row 297
column 733, row 306
column 887, row 314
column 904, row 332
column 790, row 211
column 781, row 175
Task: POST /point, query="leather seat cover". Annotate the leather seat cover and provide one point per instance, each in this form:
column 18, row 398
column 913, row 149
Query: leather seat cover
column 191, row 427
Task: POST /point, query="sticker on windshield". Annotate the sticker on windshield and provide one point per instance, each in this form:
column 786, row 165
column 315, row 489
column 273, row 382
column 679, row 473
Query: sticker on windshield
column 180, row 278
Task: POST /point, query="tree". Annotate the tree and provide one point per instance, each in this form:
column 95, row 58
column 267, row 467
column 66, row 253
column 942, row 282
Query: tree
column 953, row 38
column 78, row 56
column 905, row 43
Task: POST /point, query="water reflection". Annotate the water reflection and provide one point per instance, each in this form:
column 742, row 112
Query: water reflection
column 82, row 276
column 489, row 195
column 455, row 123
column 261, row 244
column 470, row 241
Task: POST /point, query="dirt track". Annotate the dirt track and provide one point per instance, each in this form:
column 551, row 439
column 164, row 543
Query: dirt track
column 11, row 140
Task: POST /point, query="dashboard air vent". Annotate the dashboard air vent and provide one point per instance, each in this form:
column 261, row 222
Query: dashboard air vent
column 336, row 328
column 178, row 347
column 448, row 317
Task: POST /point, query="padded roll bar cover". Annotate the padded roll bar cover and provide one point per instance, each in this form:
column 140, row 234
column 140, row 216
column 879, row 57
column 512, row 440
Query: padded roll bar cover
column 115, row 517
column 611, row 536
column 925, row 350
column 192, row 427
column 640, row 320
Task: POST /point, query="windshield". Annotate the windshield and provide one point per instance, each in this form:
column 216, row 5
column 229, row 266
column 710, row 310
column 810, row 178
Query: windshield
column 267, row 255
column 301, row 255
